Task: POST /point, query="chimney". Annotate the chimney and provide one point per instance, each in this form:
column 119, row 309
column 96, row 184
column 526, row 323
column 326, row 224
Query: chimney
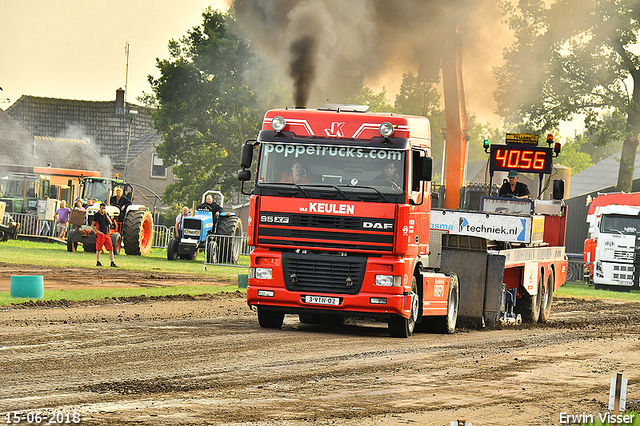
column 119, row 107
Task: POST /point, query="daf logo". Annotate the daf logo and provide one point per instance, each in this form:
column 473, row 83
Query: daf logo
column 377, row 225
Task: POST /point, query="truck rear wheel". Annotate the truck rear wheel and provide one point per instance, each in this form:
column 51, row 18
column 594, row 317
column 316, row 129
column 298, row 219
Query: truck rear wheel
column 529, row 306
column 547, row 299
column 138, row 233
column 270, row 319
column 447, row 324
column 401, row 326
column 229, row 248
column 72, row 244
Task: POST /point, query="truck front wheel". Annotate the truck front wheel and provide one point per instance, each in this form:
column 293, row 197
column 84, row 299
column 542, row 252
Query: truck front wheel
column 401, row 326
column 270, row 319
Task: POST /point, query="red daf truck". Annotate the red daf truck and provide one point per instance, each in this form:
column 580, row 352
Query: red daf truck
column 340, row 221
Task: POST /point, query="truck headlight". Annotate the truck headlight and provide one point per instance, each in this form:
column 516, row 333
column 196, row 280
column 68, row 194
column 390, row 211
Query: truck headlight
column 261, row 273
column 278, row 123
column 388, row 280
column 386, row 129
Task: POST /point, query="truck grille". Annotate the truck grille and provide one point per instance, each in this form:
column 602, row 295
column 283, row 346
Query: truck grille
column 623, row 255
column 316, row 231
column 323, row 273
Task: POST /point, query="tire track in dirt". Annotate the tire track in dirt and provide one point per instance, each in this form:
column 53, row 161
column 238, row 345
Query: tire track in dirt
column 206, row 361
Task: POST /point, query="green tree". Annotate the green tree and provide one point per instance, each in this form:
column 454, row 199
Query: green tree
column 377, row 102
column 205, row 109
column 573, row 57
column 418, row 96
column 572, row 156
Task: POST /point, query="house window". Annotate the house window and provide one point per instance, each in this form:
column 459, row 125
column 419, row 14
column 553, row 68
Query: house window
column 157, row 169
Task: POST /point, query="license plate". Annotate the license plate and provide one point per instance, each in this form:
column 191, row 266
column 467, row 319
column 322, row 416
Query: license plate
column 321, row 300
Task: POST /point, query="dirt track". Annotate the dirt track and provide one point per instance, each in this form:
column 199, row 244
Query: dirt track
column 205, row 360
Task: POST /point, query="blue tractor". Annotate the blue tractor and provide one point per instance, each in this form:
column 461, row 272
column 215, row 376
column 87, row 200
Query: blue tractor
column 219, row 237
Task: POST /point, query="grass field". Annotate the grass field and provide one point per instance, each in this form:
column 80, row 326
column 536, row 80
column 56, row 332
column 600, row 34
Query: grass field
column 584, row 291
column 56, row 255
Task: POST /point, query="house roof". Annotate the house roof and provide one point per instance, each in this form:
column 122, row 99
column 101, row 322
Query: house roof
column 104, row 124
column 601, row 175
column 137, row 147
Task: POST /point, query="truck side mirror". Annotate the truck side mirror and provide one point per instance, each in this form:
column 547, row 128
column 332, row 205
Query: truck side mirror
column 244, row 175
column 425, row 168
column 247, row 155
column 558, row 189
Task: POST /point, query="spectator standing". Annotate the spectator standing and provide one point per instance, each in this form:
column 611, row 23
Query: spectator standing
column 179, row 218
column 62, row 219
column 101, row 224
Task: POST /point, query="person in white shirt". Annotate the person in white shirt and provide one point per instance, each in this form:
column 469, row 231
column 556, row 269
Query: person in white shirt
column 185, row 213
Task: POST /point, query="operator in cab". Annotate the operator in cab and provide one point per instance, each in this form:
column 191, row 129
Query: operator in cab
column 513, row 188
column 121, row 202
column 210, row 205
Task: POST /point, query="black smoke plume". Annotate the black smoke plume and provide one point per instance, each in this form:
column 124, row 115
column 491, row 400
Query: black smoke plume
column 372, row 43
column 302, row 68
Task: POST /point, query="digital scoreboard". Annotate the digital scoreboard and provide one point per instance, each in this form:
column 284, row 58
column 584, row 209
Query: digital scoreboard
column 522, row 158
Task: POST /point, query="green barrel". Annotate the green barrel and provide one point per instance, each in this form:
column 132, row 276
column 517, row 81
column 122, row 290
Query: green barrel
column 30, row 286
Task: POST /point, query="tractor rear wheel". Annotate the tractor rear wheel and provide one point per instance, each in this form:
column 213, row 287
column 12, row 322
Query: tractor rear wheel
column 138, row 233
column 229, row 232
column 72, row 244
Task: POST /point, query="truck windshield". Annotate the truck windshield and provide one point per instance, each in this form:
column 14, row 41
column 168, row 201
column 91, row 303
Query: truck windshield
column 382, row 169
column 615, row 224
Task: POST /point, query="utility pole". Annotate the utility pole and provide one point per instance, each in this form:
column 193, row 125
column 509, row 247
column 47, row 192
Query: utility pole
column 126, row 73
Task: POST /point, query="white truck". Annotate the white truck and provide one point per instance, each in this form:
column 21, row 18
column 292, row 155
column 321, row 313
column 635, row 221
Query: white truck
column 610, row 252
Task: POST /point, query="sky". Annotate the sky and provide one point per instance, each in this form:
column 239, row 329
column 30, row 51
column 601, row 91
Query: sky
column 75, row 49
